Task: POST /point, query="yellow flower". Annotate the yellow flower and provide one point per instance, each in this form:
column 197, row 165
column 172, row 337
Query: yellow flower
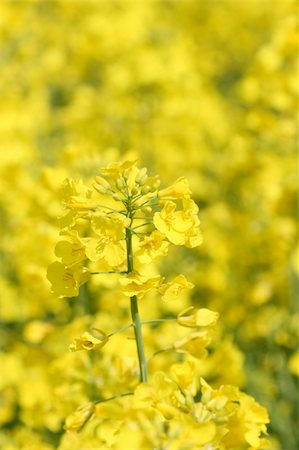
column 71, row 249
column 185, row 376
column 66, row 280
column 150, row 247
column 171, row 290
column 115, row 170
column 199, row 318
column 78, row 418
column 195, row 344
column 136, row 284
column 88, row 342
column 180, row 189
column 293, row 364
column 77, row 196
column 180, row 227
column 109, row 244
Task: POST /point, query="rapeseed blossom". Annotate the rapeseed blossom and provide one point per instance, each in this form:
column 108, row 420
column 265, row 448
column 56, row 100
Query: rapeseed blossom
column 138, row 218
column 224, row 121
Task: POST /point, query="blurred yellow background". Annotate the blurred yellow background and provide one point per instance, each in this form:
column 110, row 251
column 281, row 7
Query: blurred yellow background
column 205, row 89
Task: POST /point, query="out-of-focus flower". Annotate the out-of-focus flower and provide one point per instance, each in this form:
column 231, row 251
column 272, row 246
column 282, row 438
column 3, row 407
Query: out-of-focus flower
column 195, row 344
column 78, row 418
column 202, row 317
column 293, row 364
column 180, row 189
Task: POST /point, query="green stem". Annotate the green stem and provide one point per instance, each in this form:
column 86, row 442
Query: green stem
column 134, row 309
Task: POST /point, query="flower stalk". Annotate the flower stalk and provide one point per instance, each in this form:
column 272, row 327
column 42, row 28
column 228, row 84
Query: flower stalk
column 134, row 308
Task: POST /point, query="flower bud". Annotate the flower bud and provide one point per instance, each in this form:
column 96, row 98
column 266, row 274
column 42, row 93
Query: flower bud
column 120, row 184
column 141, row 176
column 135, row 190
column 126, row 174
column 117, row 197
column 145, row 190
column 143, row 180
column 102, row 182
column 146, row 210
column 100, row 189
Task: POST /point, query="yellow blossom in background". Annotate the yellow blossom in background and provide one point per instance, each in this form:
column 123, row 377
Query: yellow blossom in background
column 293, row 364
column 195, row 344
column 144, row 135
column 180, row 189
column 77, row 419
column 202, row 317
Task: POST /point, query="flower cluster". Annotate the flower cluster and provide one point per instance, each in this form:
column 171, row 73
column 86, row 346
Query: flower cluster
column 123, row 201
column 126, row 222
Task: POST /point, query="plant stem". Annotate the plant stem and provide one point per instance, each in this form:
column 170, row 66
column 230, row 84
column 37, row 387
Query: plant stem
column 134, row 309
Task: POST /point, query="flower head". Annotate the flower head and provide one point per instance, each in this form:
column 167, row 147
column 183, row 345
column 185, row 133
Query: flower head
column 172, row 289
column 202, row 317
column 89, row 342
column 136, row 284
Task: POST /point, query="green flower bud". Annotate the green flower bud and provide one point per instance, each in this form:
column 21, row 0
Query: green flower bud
column 141, row 176
column 120, row 183
column 146, row 210
column 145, row 190
column 117, row 197
column 135, row 190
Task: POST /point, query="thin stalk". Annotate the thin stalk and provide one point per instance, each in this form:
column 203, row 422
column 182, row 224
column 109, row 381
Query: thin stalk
column 120, row 330
column 156, row 321
column 134, row 310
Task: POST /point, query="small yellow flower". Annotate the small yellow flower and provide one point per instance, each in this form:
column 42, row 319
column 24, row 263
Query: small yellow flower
column 199, row 318
column 78, row 418
column 180, row 189
column 171, row 290
column 66, row 280
column 180, row 227
column 185, row 376
column 109, row 244
column 136, row 284
column 293, row 364
column 115, row 170
column 71, row 249
column 88, row 342
column 195, row 344
column 150, row 247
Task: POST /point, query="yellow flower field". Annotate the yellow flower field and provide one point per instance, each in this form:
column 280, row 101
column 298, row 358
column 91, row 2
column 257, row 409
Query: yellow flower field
column 149, row 261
